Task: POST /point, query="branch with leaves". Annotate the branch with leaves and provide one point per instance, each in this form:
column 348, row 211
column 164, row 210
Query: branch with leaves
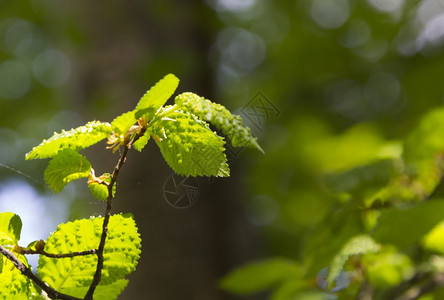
column 89, row 258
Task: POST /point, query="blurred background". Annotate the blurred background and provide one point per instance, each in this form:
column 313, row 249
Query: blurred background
column 323, row 84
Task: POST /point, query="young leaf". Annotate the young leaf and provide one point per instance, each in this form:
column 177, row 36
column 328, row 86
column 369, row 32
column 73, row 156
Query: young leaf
column 74, row 275
column 260, row 276
column 10, row 228
column 100, row 190
column 156, row 96
column 74, row 139
column 189, row 147
column 141, row 142
column 66, row 166
column 359, row 244
column 123, row 123
column 220, row 117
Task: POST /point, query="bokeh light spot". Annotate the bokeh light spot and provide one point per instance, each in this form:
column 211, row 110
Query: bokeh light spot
column 330, row 14
column 388, row 6
column 15, row 79
column 51, row 67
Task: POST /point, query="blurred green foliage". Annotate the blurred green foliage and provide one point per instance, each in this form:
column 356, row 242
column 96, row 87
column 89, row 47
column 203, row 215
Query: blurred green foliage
column 357, row 148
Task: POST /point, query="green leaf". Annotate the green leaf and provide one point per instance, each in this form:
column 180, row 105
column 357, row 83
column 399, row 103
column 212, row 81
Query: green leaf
column 110, row 291
column 220, row 117
column 189, row 147
column 141, row 142
column 259, row 276
column 66, row 166
column 14, row 285
column 156, row 96
column 74, row 275
column 99, row 190
column 359, row 244
column 395, row 224
column 364, row 181
column 74, row 139
column 10, row 228
column 123, row 123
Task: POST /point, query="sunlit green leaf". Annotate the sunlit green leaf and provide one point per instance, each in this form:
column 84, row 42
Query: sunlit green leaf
column 74, row 139
column 10, row 228
column 121, row 124
column 141, row 142
column 14, row 285
column 74, row 275
column 66, row 166
column 216, row 114
column 189, row 147
column 156, row 96
column 100, row 190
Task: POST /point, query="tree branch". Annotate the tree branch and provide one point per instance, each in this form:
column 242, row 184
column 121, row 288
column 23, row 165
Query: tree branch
column 53, row 294
column 64, row 255
column 98, row 275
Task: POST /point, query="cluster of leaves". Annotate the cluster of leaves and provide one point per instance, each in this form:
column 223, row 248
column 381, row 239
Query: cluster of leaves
column 181, row 131
column 383, row 236
column 99, row 252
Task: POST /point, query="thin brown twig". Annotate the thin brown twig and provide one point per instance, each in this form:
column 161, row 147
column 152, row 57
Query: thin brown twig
column 98, row 274
column 52, row 293
column 63, row 255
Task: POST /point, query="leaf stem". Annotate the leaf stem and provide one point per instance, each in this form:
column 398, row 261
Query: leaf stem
column 53, row 294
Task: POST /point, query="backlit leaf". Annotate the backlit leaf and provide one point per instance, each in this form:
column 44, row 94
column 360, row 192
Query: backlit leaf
column 189, row 147
column 10, row 228
column 156, row 96
column 66, row 166
column 231, row 125
column 74, row 275
column 74, row 139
